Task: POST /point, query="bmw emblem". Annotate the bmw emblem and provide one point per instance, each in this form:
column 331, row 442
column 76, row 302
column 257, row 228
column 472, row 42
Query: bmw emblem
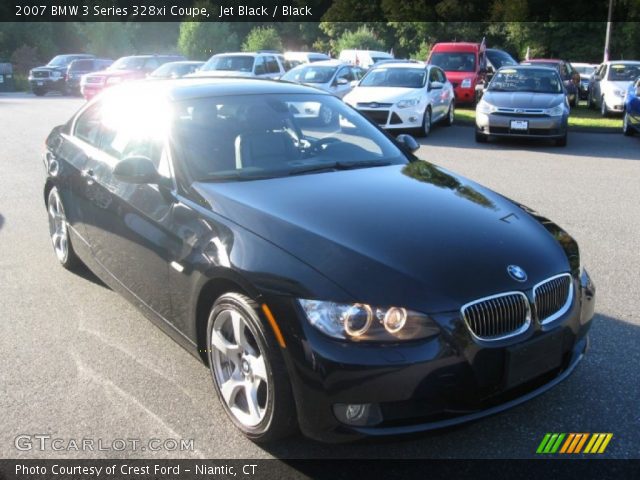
column 517, row 273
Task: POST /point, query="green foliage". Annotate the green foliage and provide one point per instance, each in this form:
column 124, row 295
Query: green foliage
column 110, row 39
column 262, row 38
column 200, row 40
column 24, row 59
column 363, row 38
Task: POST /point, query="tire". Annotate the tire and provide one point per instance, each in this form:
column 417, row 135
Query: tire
column 590, row 101
column 576, row 99
column 39, row 92
column 562, row 141
column 246, row 363
column 451, row 114
column 480, row 137
column 426, row 124
column 604, row 111
column 626, row 128
column 59, row 231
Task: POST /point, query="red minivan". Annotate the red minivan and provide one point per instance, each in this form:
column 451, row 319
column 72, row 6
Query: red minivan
column 463, row 65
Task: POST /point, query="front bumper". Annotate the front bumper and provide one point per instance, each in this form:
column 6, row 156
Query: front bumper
column 465, row 95
column 538, row 126
column 90, row 90
column 614, row 103
column 419, row 386
column 46, row 83
column 393, row 118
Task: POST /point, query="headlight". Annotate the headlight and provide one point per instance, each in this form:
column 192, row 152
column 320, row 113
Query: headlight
column 112, row 80
column 55, row 74
column 410, row 102
column 485, row 107
column 466, row 83
column 555, row 111
column 362, row 322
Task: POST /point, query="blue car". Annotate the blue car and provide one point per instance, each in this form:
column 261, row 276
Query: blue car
column 631, row 119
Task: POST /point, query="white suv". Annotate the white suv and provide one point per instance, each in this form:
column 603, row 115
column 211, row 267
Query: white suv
column 243, row 64
column 405, row 95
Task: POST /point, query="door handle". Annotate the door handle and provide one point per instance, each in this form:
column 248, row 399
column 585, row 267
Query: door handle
column 89, row 175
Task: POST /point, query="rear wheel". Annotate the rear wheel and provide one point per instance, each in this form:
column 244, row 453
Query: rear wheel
column 59, row 231
column 248, row 371
column 590, row 100
column 626, row 128
column 39, row 92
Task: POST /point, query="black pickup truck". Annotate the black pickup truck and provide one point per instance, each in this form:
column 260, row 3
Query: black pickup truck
column 53, row 76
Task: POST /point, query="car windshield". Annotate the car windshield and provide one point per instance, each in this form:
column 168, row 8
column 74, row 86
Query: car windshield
column 623, row 72
column 248, row 137
column 232, row 63
column 500, row 59
column 584, row 69
column 454, row 61
column 395, row 77
column 61, row 61
column 310, row 74
column 128, row 63
column 526, row 80
column 81, row 65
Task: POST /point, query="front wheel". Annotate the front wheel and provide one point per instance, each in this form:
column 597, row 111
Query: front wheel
column 480, row 137
column 426, row 124
column 626, row 128
column 39, row 92
column 590, row 103
column 604, row 111
column 59, row 231
column 451, row 114
column 248, row 371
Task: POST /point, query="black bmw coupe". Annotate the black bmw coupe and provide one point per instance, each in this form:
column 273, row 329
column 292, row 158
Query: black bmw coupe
column 330, row 280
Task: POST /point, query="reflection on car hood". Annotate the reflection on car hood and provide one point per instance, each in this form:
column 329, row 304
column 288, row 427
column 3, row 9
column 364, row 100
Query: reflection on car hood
column 618, row 85
column 523, row 99
column 380, row 94
column 430, row 240
column 220, row 73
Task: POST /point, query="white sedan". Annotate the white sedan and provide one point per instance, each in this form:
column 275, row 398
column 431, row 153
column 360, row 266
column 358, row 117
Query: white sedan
column 405, row 96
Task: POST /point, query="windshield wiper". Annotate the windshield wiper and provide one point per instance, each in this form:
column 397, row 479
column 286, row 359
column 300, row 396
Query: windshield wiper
column 225, row 177
column 339, row 166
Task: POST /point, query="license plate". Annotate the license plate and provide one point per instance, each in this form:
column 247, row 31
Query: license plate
column 40, row 84
column 519, row 125
column 529, row 360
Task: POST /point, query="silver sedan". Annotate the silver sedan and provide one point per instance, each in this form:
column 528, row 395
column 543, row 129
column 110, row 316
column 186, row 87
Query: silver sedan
column 524, row 101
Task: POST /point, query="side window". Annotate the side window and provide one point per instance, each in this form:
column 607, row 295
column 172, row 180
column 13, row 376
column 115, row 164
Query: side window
column 260, row 67
column 88, row 125
column 564, row 72
column 151, row 64
column 433, row 75
column 601, row 71
column 345, row 73
column 272, row 65
column 442, row 78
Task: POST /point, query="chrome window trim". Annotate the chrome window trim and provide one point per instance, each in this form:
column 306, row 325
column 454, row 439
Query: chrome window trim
column 564, row 307
column 517, row 332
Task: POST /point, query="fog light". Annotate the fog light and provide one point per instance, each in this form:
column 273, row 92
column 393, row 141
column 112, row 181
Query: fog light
column 413, row 119
column 358, row 414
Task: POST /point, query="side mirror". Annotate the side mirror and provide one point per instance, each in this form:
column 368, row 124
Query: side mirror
column 136, row 169
column 342, row 81
column 436, row 85
column 408, row 142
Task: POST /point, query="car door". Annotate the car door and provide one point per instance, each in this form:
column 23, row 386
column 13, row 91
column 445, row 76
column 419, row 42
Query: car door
column 596, row 87
column 126, row 223
column 272, row 66
column 435, row 95
column 260, row 67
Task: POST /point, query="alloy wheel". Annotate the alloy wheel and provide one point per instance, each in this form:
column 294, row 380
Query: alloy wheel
column 58, row 226
column 240, row 368
column 426, row 124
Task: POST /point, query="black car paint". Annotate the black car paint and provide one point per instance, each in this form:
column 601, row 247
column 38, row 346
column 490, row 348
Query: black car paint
column 48, row 83
column 413, row 235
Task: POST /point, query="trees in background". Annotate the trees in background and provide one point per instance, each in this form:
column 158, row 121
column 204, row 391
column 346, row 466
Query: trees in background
column 201, row 40
column 262, row 38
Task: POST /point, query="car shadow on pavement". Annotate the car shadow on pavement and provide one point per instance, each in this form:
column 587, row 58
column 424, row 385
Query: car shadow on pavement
column 83, row 271
column 600, row 396
column 603, row 145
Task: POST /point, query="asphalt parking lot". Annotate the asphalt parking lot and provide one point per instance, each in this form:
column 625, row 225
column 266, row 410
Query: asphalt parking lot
column 80, row 362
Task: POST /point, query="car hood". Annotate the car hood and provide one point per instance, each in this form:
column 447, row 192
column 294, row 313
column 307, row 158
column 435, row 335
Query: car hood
column 523, row 99
column 459, row 76
column 118, row 73
column 619, row 85
column 410, row 235
column 379, row 94
column 49, row 69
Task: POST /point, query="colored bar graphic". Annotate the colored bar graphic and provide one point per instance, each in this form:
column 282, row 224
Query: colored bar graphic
column 573, row 442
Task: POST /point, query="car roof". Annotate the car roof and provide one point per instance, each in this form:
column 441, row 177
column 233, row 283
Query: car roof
column 325, row 63
column 203, row 87
column 400, row 64
column 623, row 62
column 456, row 46
column 548, row 60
